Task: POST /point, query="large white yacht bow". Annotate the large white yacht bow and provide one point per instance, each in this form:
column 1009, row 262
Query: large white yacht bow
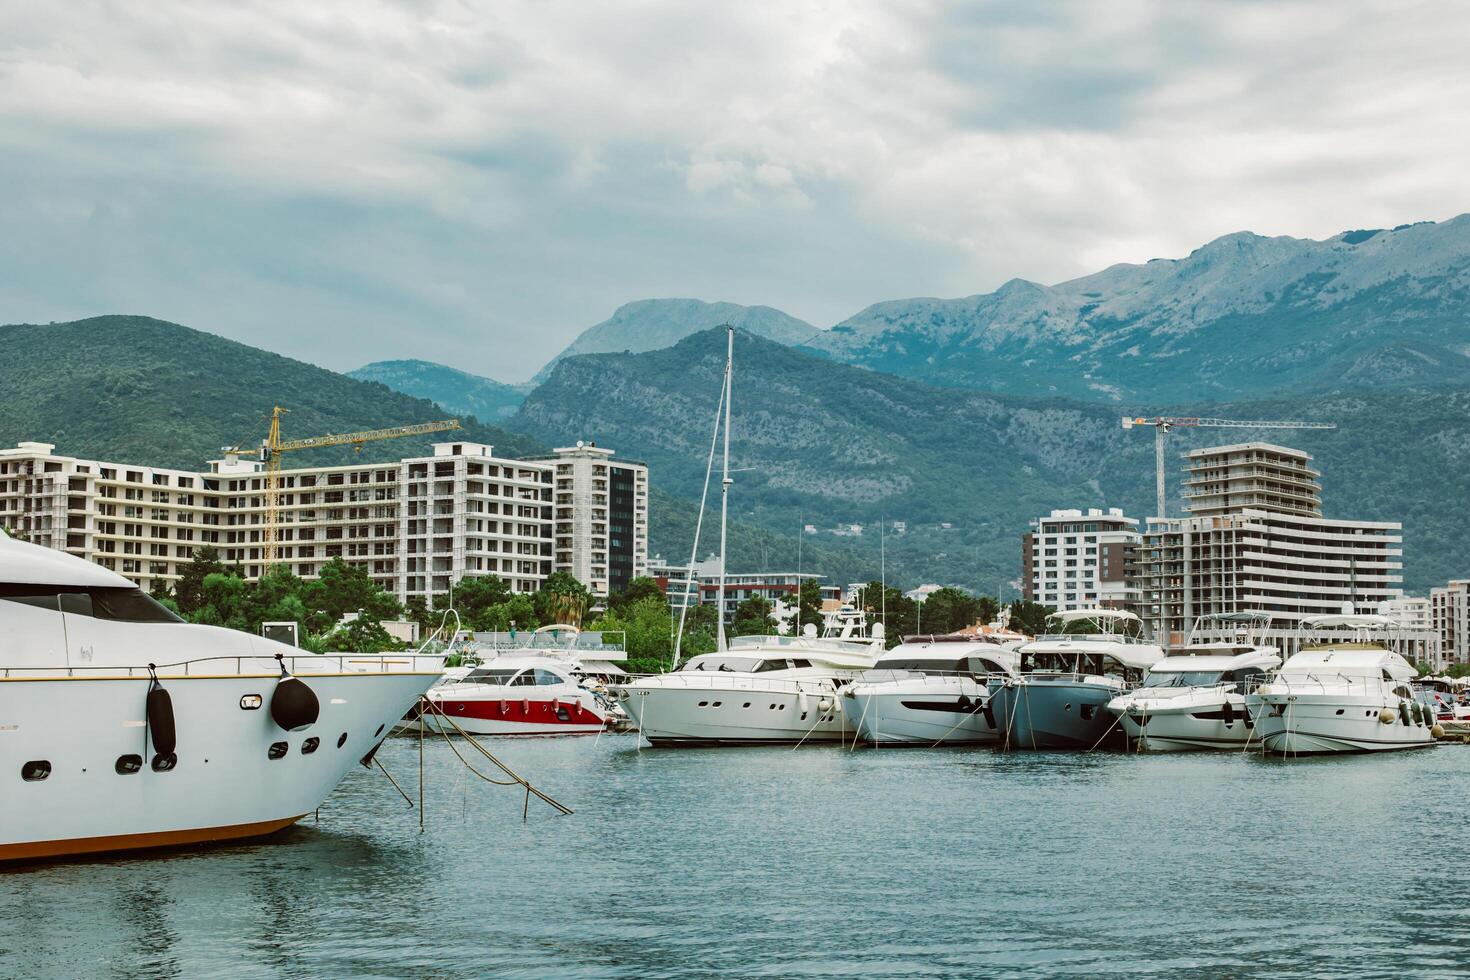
column 121, row 726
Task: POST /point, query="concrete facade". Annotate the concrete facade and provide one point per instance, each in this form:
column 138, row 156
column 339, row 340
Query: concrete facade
column 1255, row 541
column 1074, row 559
column 416, row 526
column 600, row 532
column 1449, row 614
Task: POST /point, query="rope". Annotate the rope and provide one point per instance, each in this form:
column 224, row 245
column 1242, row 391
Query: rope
column 861, row 715
column 516, row 779
column 815, row 723
column 1105, row 734
column 979, row 706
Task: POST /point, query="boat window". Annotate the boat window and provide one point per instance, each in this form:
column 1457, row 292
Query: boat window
column 545, row 677
column 124, row 604
column 980, row 665
column 801, row 663
column 921, row 664
column 486, row 675
column 715, row 662
column 526, row 678
column 1182, row 678
column 766, row 665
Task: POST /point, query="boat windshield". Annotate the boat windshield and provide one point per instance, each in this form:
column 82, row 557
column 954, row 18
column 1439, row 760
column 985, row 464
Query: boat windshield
column 120, row 604
column 739, row 665
column 1182, row 678
column 935, row 666
column 486, row 675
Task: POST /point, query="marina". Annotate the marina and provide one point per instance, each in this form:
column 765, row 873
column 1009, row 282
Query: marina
column 781, row 863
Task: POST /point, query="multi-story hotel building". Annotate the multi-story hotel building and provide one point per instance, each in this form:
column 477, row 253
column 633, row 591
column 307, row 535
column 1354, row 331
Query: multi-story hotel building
column 1255, row 540
column 601, row 517
column 1449, row 615
column 416, row 526
column 1074, row 559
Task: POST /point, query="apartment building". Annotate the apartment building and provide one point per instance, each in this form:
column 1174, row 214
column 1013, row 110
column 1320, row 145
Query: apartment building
column 600, row 529
column 1074, row 559
column 1449, row 615
column 416, row 526
column 1255, row 540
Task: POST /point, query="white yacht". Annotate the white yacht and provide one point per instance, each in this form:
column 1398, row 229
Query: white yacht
column 123, row 727
column 929, row 691
column 1345, row 691
column 762, row 689
column 1068, row 676
column 1195, row 698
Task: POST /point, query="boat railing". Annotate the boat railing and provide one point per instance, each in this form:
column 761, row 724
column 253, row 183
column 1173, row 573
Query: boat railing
column 305, row 664
column 714, row 680
column 936, row 678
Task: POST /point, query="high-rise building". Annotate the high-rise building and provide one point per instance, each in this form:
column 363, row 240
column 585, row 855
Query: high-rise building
column 1074, row 559
column 416, row 526
column 1255, row 541
column 1449, row 615
column 600, row 533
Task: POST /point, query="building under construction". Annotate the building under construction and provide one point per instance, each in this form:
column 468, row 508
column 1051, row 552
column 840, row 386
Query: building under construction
column 1255, row 540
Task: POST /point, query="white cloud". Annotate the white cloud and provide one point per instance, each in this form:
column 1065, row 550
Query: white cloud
column 476, row 182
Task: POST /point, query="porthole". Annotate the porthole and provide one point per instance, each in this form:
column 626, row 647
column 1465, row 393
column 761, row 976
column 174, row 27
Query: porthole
column 35, row 770
column 310, row 745
column 164, row 763
column 747, row 704
column 126, row 765
column 1340, row 710
column 277, row 750
column 781, row 707
column 717, row 704
column 341, row 740
column 703, row 703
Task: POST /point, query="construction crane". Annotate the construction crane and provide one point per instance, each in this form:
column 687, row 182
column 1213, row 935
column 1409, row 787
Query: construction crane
column 1164, row 424
column 273, row 446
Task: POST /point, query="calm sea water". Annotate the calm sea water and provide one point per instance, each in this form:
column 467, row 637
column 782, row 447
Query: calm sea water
column 815, row 862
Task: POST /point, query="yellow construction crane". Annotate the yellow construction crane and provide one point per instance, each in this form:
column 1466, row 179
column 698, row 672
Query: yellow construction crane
column 1162, row 426
column 273, row 446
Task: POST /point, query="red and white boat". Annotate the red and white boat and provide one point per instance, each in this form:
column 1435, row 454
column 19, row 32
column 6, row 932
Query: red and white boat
column 515, row 694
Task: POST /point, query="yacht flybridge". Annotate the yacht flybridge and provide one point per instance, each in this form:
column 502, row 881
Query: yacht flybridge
column 1195, row 698
column 122, row 727
column 762, row 689
column 929, row 691
column 1068, row 676
column 1345, row 691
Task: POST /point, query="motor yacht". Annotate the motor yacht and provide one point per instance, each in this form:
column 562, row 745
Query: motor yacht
column 1346, row 690
column 1067, row 677
column 761, row 690
column 928, row 691
column 1195, row 698
column 123, row 727
column 514, row 694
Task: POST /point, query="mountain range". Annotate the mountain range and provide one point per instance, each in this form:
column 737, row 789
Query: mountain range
column 949, row 422
column 964, row 471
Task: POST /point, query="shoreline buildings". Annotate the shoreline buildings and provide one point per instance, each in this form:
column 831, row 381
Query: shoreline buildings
column 1255, row 540
column 1449, row 613
column 416, row 526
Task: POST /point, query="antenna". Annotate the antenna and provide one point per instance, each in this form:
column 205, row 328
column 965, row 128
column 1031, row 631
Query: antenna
column 883, row 572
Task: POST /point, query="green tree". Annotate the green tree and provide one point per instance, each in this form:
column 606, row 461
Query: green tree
column 189, row 590
column 362, row 635
column 808, row 606
column 647, row 628
column 563, row 599
column 753, row 618
column 519, row 609
column 639, row 589
column 946, row 611
column 475, row 597
column 1029, row 617
column 897, row 612
column 342, row 588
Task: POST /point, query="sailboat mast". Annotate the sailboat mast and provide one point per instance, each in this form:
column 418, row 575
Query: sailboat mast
column 725, row 480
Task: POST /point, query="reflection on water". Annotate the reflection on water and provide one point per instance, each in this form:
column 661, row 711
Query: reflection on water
column 772, row 862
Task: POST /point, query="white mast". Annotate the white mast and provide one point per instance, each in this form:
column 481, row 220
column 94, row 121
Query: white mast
column 725, row 480
column 709, row 468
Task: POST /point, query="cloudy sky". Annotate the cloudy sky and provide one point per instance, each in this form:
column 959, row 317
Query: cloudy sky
column 476, row 182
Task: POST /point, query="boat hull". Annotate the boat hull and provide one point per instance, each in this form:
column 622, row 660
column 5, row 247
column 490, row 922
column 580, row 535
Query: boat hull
column 1188, row 724
column 224, row 784
column 905, row 713
column 1306, row 724
column 672, row 716
column 508, row 716
column 1056, row 714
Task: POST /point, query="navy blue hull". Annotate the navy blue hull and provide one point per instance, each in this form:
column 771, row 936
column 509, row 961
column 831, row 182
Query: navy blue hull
column 1043, row 713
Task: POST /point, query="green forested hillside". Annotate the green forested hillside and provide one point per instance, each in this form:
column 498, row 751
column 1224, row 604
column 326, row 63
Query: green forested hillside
column 822, row 443
column 141, row 390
